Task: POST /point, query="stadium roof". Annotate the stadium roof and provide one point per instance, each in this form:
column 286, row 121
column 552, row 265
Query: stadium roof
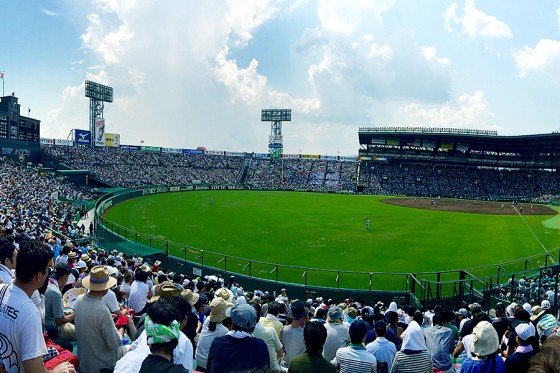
column 465, row 140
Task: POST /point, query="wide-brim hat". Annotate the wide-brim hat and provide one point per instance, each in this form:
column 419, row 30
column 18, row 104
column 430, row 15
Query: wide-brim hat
column 99, row 279
column 191, row 297
column 166, row 291
column 218, row 308
column 485, row 341
column 72, row 255
column 334, row 313
column 85, row 258
column 225, row 294
column 537, row 312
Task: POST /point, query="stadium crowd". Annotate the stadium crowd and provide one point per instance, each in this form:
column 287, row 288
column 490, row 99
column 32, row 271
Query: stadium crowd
column 138, row 168
column 459, row 182
column 66, row 305
column 101, row 311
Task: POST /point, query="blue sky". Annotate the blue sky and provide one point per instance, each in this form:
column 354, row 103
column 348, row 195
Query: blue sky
column 188, row 73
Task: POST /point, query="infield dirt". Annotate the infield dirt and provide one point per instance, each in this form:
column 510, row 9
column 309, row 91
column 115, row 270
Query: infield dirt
column 470, row 206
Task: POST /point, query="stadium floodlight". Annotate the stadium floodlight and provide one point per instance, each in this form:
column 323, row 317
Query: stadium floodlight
column 275, row 140
column 98, row 94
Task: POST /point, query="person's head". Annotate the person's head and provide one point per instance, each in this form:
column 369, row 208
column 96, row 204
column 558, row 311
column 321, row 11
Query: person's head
column 243, row 317
column 8, row 254
column 548, row 360
column 525, row 334
column 162, row 326
column 380, row 328
column 201, row 302
column 321, row 313
column 184, row 308
column 358, row 331
column 393, row 318
column 256, row 306
column 61, row 272
column 500, row 310
column 418, row 317
column 314, row 336
column 33, row 261
column 273, row 308
column 141, row 275
column 438, row 319
column 521, row 314
column 485, row 341
column 334, row 314
column 298, row 310
column 99, row 281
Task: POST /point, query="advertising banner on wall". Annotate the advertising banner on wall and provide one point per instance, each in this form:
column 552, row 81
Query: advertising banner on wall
column 214, row 152
column 193, row 151
column 172, row 150
column 82, row 137
column 99, row 132
column 62, row 142
column 47, row 141
column 130, row 147
column 151, row 148
column 310, row 156
column 112, row 140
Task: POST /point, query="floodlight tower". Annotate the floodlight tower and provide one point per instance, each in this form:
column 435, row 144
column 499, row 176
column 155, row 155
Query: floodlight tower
column 275, row 140
column 98, row 94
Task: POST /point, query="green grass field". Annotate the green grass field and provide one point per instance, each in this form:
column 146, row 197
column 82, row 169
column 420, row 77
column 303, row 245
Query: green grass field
column 317, row 230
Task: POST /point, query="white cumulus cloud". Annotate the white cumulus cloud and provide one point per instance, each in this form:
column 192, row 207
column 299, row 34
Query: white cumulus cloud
column 474, row 22
column 467, row 111
column 544, row 57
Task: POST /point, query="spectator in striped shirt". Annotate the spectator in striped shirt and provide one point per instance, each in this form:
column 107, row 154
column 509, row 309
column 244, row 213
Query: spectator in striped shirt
column 354, row 358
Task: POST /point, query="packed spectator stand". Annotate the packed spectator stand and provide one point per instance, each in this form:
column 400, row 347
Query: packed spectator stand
column 155, row 318
column 134, row 169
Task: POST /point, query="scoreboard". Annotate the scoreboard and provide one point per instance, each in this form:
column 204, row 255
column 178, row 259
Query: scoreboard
column 16, row 127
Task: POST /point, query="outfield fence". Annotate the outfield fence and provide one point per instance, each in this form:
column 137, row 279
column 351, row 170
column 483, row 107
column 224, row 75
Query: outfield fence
column 454, row 289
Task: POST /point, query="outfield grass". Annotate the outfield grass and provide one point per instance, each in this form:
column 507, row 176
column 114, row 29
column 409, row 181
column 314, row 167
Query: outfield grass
column 328, row 230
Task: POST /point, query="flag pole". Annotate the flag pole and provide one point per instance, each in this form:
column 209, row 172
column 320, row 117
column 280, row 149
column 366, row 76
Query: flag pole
column 2, row 76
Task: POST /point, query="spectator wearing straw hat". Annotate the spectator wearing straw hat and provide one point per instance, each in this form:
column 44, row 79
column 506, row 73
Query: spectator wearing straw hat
column 239, row 350
column 99, row 342
column 211, row 329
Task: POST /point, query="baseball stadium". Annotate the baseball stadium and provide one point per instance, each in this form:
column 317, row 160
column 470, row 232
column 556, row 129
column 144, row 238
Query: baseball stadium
column 420, row 214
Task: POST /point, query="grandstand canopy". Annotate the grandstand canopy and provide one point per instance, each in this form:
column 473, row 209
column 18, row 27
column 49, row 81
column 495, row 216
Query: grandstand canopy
column 460, row 146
